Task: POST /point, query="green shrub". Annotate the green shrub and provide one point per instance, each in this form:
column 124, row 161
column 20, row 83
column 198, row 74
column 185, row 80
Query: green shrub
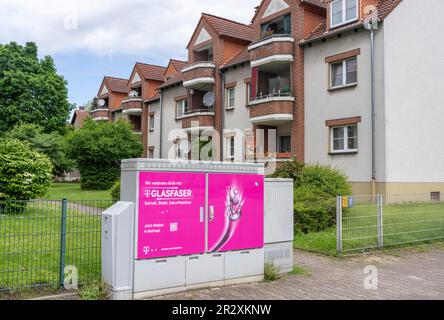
column 329, row 180
column 98, row 148
column 115, row 191
column 289, row 170
column 271, row 272
column 24, row 173
column 314, row 210
column 316, row 189
column 94, row 290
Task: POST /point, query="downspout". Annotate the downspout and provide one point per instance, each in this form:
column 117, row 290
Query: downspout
column 161, row 125
column 222, row 74
column 373, row 105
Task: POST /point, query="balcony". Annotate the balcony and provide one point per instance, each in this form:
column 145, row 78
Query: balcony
column 272, row 109
column 199, row 76
column 132, row 106
column 274, row 50
column 199, row 118
column 100, row 114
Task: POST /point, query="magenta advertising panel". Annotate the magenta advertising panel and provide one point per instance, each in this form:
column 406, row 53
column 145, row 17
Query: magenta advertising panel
column 171, row 220
column 236, row 212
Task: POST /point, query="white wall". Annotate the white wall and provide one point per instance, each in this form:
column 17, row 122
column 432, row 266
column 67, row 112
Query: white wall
column 322, row 105
column 169, row 122
column 154, row 136
column 239, row 118
column 414, row 59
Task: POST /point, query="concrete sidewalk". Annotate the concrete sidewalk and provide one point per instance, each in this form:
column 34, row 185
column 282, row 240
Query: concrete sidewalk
column 403, row 274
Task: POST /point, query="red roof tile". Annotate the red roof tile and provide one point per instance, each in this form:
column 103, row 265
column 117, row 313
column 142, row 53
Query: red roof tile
column 229, row 28
column 151, row 72
column 175, row 79
column 242, row 57
column 116, row 84
column 153, row 98
column 178, row 65
column 79, row 117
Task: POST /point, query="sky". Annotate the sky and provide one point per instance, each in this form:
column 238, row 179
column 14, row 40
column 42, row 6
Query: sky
column 89, row 39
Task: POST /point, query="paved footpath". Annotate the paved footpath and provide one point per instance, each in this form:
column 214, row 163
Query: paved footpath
column 406, row 274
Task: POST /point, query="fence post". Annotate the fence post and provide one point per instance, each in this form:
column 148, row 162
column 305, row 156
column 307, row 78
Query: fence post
column 380, row 221
column 63, row 243
column 339, row 224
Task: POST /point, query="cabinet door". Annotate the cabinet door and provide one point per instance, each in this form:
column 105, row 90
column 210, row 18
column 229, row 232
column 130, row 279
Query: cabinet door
column 171, row 216
column 236, row 212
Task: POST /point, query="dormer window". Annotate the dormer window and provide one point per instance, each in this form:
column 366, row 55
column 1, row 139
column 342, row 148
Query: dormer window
column 343, row 11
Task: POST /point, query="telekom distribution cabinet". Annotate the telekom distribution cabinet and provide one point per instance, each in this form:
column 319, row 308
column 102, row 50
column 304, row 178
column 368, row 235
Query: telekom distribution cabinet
column 194, row 225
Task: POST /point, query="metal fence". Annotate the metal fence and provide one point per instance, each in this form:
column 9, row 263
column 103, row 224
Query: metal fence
column 38, row 239
column 371, row 222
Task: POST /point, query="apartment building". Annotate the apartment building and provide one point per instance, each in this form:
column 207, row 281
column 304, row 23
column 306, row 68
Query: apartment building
column 125, row 98
column 398, row 148
column 303, row 72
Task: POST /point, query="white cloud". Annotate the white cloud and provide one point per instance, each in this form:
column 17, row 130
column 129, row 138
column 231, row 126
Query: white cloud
column 112, row 27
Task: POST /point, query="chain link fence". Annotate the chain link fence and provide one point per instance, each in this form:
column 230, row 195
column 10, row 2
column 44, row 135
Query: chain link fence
column 38, row 239
column 371, row 222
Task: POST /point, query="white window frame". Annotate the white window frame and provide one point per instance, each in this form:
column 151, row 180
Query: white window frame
column 344, row 13
column 346, row 137
column 231, row 148
column 180, row 104
column 344, row 73
column 228, row 99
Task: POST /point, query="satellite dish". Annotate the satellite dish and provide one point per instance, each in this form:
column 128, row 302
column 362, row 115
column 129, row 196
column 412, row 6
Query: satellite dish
column 102, row 103
column 209, row 99
column 133, row 94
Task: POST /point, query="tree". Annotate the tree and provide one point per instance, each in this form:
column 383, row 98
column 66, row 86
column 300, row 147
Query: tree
column 92, row 104
column 25, row 174
column 51, row 144
column 31, row 91
column 98, row 148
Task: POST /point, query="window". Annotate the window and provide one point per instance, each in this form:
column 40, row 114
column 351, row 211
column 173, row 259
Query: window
column 182, row 107
column 231, row 98
column 231, row 148
column 344, row 139
column 344, row 73
column 151, row 153
column 436, row 196
column 248, row 92
column 281, row 25
column 152, row 122
column 284, row 144
column 343, row 11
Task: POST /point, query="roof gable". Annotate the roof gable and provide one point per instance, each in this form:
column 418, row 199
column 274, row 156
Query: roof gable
column 275, row 6
column 222, row 27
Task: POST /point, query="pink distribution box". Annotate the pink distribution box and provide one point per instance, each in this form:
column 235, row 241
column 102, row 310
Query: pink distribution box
column 174, row 215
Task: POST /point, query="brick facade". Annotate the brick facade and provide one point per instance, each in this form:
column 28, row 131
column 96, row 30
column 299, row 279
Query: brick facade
column 274, row 48
column 268, row 108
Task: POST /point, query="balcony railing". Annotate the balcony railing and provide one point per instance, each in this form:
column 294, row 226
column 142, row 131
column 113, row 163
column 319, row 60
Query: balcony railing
column 268, row 37
column 272, row 94
column 190, row 113
column 198, row 64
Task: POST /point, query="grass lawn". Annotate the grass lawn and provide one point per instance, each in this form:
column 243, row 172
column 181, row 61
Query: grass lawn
column 403, row 224
column 72, row 191
column 30, row 245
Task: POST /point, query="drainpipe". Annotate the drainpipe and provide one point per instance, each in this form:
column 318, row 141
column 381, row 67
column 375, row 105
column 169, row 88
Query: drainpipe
column 161, row 125
column 222, row 74
column 371, row 27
